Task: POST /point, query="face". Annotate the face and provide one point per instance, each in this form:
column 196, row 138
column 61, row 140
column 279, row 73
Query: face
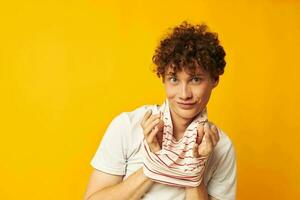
column 188, row 94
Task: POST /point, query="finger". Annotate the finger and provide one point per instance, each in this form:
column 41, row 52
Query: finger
column 161, row 125
column 215, row 131
column 159, row 135
column 195, row 150
column 205, row 147
column 212, row 135
column 151, row 119
column 209, row 143
column 213, row 138
column 146, row 116
column 150, row 127
column 206, row 127
column 152, row 135
column 200, row 133
column 207, row 137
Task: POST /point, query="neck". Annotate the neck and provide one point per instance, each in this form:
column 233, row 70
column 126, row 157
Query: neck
column 179, row 125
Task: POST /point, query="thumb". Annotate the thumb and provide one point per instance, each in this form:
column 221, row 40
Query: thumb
column 195, row 150
column 200, row 133
column 160, row 125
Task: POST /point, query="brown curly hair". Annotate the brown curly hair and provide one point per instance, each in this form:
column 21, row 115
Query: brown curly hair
column 188, row 47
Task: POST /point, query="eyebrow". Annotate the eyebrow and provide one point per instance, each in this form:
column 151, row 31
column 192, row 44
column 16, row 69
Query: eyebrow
column 171, row 74
column 174, row 74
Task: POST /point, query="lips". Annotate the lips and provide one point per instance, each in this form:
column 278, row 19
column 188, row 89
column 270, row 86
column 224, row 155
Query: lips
column 185, row 105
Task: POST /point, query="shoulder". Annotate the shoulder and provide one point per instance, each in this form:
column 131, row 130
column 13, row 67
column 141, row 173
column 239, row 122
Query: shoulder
column 134, row 118
column 129, row 121
column 128, row 118
column 136, row 115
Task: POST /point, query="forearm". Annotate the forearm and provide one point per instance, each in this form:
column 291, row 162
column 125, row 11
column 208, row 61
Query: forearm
column 134, row 187
column 196, row 193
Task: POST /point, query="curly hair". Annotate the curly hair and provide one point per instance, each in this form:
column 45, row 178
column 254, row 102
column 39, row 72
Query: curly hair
column 190, row 47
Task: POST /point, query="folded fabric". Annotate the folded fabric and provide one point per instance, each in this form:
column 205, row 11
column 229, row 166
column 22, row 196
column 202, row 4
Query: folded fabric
column 175, row 164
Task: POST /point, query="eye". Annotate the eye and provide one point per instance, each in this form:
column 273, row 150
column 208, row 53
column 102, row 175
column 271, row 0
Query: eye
column 196, row 79
column 173, row 79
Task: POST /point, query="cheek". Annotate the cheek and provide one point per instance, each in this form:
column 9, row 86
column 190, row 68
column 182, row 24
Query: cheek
column 202, row 95
column 170, row 91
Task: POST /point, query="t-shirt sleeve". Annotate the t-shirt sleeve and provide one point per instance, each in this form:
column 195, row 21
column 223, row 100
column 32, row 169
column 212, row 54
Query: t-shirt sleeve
column 110, row 156
column 222, row 185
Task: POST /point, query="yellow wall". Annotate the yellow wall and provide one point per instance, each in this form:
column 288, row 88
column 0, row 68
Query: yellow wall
column 68, row 67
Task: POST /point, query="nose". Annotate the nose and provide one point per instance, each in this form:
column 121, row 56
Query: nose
column 185, row 92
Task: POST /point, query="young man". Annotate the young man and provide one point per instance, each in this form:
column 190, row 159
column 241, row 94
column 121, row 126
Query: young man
column 172, row 151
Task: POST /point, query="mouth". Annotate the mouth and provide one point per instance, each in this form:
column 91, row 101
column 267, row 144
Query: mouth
column 185, row 105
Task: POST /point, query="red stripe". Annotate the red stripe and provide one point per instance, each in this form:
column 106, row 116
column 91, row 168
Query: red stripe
column 174, row 142
column 183, row 150
column 185, row 136
column 186, row 164
column 180, row 144
column 180, row 157
column 185, row 178
column 162, row 162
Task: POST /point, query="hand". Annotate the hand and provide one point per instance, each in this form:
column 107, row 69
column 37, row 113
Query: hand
column 207, row 139
column 153, row 130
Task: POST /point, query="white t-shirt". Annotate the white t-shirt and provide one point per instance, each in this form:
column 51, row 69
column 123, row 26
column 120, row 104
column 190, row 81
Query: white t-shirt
column 120, row 153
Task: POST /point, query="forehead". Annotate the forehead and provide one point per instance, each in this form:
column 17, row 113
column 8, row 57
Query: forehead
column 197, row 71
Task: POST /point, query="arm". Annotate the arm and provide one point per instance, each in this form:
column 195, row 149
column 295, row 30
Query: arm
column 197, row 193
column 107, row 186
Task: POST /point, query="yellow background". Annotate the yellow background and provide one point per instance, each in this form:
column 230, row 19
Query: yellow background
column 68, row 67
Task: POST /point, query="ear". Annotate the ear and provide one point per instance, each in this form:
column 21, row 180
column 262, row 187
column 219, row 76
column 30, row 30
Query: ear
column 216, row 82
